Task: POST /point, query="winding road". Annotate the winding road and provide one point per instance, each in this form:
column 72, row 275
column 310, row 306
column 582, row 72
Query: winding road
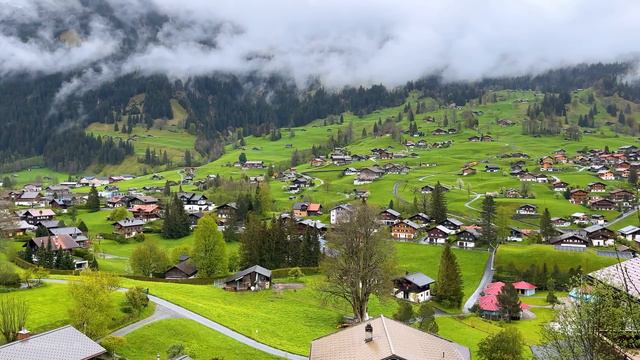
column 487, row 277
column 468, row 203
column 169, row 309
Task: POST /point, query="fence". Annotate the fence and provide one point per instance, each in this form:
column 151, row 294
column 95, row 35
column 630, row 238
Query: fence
column 622, row 255
column 569, row 248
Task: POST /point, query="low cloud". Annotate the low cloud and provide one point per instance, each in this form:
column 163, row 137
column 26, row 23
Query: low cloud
column 341, row 43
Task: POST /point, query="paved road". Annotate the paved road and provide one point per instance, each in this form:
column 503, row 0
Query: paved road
column 468, row 203
column 187, row 314
column 161, row 313
column 625, row 215
column 487, row 277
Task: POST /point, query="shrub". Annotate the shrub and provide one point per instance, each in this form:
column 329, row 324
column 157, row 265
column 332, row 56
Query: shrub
column 8, row 276
column 175, row 350
column 295, row 273
column 405, row 312
column 138, row 238
column 112, row 343
column 137, row 299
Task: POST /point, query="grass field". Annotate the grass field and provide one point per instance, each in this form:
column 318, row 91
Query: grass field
column 288, row 320
column 49, row 307
column 426, row 259
column 471, row 330
column 199, row 341
column 522, row 256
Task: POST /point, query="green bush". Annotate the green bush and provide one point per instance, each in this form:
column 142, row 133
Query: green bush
column 284, row 272
column 112, row 343
column 8, row 276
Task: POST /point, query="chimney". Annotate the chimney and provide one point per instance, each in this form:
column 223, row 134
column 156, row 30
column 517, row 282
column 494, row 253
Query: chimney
column 368, row 333
column 23, row 334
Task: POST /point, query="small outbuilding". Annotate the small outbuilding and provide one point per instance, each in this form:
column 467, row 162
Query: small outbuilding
column 253, row 278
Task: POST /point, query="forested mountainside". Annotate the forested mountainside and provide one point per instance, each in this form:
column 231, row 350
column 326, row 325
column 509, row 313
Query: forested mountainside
column 36, row 123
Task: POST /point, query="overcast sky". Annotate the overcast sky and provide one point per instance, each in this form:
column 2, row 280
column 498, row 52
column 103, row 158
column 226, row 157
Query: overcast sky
column 341, row 42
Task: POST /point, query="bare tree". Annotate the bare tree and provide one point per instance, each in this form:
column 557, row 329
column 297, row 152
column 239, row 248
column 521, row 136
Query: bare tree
column 361, row 261
column 13, row 316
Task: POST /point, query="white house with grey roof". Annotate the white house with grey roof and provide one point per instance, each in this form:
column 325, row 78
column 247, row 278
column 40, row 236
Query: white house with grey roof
column 631, row 233
column 414, row 287
column 65, row 343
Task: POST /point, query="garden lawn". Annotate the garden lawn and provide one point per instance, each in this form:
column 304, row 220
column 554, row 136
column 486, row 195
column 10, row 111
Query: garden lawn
column 199, row 341
column 288, row 320
column 523, row 256
column 49, row 306
column 426, row 259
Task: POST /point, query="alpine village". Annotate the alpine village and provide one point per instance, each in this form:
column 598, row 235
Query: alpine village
column 208, row 210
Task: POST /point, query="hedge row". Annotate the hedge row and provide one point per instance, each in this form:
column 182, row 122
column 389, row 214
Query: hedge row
column 194, row 281
column 284, row 272
column 27, row 265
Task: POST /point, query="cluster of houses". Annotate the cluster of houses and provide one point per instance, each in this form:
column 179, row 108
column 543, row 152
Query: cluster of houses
column 370, row 174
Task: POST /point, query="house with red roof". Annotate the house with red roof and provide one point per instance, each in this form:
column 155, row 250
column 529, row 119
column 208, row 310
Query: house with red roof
column 490, row 307
column 524, row 288
column 488, row 304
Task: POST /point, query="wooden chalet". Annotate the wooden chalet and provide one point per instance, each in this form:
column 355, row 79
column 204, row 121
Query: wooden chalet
column 128, row 227
column 436, row 235
column 253, row 278
column 184, row 269
column 388, row 217
column 413, row 287
column 404, row 230
column 146, row 212
column 578, row 197
column 467, row 238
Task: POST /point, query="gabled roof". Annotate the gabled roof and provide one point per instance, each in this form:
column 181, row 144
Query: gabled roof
column 129, row 222
column 65, row 242
column 618, row 274
column 391, row 340
column 418, row 279
column 256, row 268
column 65, row 343
column 40, row 212
column 347, row 207
column 186, row 266
column 523, row 285
column 454, row 221
column 409, row 223
column 392, row 212
column 66, row 231
column 630, row 229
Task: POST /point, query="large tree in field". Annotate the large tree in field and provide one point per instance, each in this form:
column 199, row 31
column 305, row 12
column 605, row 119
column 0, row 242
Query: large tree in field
column 505, row 345
column 93, row 200
column 362, row 263
column 449, row 285
column 438, row 204
column 93, row 307
column 13, row 316
column 148, row 259
column 209, row 253
column 488, row 216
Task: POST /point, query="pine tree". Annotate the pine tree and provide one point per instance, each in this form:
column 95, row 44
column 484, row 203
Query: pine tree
column 509, row 302
column 633, row 177
column 427, row 321
column 187, row 158
column 449, row 285
column 93, row 200
column 546, row 226
column 176, row 223
column 391, row 204
column 438, row 204
column 488, row 218
column 83, row 227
